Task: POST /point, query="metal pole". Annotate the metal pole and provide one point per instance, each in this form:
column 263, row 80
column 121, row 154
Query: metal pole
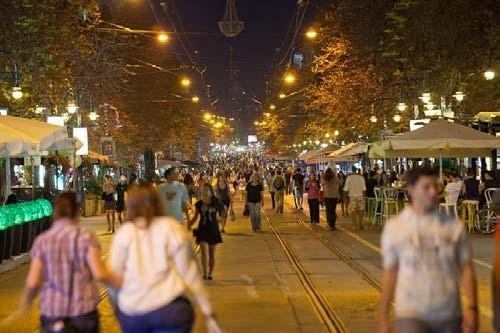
column 7, row 175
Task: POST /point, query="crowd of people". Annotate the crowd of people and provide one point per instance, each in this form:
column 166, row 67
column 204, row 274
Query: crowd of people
column 154, row 280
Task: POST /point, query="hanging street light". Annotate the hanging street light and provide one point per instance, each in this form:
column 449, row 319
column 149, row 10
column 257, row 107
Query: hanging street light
column 459, row 96
column 401, row 107
column 17, row 92
column 373, row 119
column 336, row 133
column 267, row 114
column 72, row 108
column 195, row 99
column 272, row 106
column 93, row 116
column 396, row 118
column 282, row 95
column 426, row 98
column 489, row 74
column 207, row 116
column 185, row 82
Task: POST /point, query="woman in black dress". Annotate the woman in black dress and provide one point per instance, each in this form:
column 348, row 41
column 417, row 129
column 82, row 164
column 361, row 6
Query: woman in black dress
column 207, row 233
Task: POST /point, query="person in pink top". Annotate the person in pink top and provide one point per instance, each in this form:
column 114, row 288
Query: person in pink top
column 313, row 188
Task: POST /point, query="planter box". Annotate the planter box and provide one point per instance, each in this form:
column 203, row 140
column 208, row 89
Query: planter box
column 89, row 209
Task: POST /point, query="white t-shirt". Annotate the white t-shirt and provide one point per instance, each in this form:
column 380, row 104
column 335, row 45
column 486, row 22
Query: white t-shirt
column 429, row 253
column 158, row 265
column 355, row 185
column 173, row 195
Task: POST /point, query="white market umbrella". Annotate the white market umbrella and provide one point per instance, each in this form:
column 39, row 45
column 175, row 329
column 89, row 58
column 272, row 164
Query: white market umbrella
column 443, row 139
column 36, row 136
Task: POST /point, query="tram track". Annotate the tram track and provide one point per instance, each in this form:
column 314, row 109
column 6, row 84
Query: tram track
column 327, row 315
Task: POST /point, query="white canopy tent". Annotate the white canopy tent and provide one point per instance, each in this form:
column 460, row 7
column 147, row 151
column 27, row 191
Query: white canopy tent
column 28, row 137
column 441, row 139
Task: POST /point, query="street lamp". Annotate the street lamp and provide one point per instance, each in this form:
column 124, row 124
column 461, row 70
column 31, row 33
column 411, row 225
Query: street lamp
column 459, row 96
column 373, row 119
column 185, row 82
column 256, row 123
column 163, row 37
column 195, row 99
column 17, row 92
column 336, row 133
column 282, row 95
column 311, row 33
column 267, row 114
column 72, row 108
column 272, row 106
column 426, row 98
column 93, row 116
column 396, row 118
column 207, row 116
column 327, row 135
column 289, row 78
column 489, row 74
column 401, row 107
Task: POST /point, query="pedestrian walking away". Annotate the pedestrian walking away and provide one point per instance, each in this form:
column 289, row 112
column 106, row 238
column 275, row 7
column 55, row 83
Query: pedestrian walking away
column 154, row 256
column 270, row 186
column 65, row 266
column 279, row 184
column 422, row 245
column 255, row 200
column 355, row 188
column 207, row 233
column 331, row 186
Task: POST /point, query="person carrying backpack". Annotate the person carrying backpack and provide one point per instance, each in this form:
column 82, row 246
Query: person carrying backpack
column 279, row 187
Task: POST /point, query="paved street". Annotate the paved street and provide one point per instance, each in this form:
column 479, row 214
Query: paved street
column 281, row 279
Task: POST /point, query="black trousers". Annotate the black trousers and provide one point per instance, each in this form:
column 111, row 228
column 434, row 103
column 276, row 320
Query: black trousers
column 273, row 200
column 314, row 210
column 87, row 323
column 331, row 211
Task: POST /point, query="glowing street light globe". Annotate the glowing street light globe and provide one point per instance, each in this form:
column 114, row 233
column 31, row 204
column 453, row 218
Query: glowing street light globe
column 282, row 95
column 195, row 99
column 489, row 74
column 373, row 119
column 396, row 118
column 162, row 37
column 336, row 133
column 72, row 108
column 93, row 116
column 207, row 116
column 289, row 78
column 185, row 82
column 311, row 34
column 272, row 106
column 401, row 107
column 459, row 96
column 426, row 98
column 17, row 92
